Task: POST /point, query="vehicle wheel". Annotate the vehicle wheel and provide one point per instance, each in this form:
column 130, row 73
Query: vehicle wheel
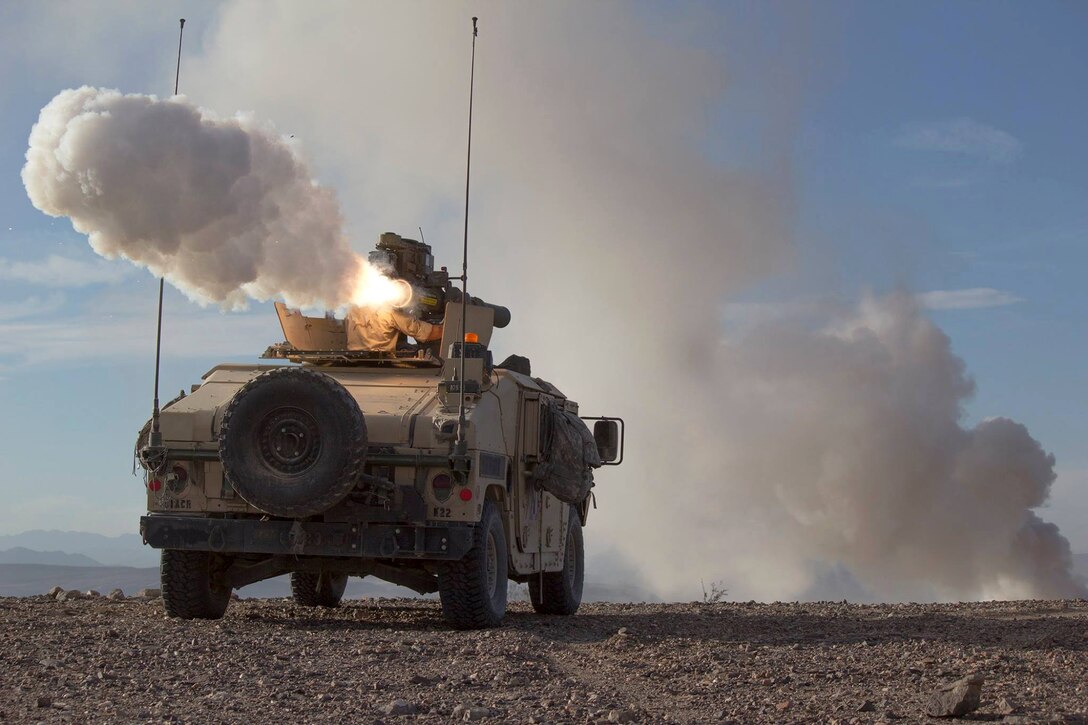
column 188, row 589
column 312, row 589
column 560, row 592
column 293, row 442
column 473, row 590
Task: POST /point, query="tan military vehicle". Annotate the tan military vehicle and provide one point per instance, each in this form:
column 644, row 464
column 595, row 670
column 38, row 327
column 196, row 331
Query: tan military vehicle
column 333, row 463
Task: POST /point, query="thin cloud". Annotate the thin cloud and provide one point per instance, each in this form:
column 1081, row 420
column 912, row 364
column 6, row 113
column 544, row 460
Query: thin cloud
column 87, row 338
column 58, row 271
column 742, row 317
column 31, row 306
column 962, row 136
column 974, row 298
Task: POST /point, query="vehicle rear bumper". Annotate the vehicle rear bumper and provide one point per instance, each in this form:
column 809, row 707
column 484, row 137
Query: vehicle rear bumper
column 303, row 538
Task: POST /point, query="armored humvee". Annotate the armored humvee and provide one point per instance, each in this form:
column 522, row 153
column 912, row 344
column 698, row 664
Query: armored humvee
column 330, row 463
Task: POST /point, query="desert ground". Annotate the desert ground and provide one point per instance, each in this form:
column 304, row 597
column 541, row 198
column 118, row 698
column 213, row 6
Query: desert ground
column 392, row 660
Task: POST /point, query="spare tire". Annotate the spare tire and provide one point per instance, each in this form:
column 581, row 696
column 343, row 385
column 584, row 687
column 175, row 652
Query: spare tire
column 293, row 442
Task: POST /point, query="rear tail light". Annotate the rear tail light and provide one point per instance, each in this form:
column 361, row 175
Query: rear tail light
column 177, row 479
column 442, row 486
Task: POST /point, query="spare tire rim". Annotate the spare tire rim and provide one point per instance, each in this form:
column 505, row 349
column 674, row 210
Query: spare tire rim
column 289, row 440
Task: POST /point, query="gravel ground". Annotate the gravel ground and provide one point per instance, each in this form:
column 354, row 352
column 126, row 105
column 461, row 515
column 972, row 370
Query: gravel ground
column 369, row 660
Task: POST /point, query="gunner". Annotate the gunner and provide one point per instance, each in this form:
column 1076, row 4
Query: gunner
column 378, row 329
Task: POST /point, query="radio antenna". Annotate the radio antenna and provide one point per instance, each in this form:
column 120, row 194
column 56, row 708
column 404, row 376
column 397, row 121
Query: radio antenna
column 156, row 436
column 460, row 449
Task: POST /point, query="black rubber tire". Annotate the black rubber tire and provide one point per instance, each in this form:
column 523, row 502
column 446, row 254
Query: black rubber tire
column 560, row 592
column 312, row 589
column 188, row 590
column 469, row 599
column 293, row 442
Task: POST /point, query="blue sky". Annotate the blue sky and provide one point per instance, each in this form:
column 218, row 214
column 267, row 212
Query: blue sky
column 993, row 197
column 944, row 150
column 936, row 147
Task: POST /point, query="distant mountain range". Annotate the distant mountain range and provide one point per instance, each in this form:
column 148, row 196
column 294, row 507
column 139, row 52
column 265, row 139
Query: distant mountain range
column 22, row 555
column 123, row 550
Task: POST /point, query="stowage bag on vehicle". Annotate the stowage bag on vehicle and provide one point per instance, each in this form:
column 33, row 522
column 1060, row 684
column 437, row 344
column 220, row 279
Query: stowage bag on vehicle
column 568, row 457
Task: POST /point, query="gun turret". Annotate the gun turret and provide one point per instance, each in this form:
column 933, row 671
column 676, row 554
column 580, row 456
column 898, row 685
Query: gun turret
column 502, row 314
column 413, row 262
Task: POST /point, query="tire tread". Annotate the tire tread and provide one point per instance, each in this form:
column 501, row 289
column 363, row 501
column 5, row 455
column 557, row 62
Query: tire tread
column 465, row 603
column 185, row 577
column 313, row 589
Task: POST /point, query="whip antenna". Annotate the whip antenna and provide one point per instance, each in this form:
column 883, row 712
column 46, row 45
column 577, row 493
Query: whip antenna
column 461, row 447
column 156, row 437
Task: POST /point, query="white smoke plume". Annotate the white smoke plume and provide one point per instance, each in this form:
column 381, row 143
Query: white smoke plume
column 225, row 208
column 846, row 444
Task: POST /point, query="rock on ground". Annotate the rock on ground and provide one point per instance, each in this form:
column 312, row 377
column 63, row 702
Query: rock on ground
column 958, row 698
column 97, row 660
column 398, row 707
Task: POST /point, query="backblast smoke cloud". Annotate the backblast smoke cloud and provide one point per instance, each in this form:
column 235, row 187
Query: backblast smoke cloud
column 846, row 441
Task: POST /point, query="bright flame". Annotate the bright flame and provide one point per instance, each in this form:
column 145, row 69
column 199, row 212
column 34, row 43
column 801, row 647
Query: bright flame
column 374, row 288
